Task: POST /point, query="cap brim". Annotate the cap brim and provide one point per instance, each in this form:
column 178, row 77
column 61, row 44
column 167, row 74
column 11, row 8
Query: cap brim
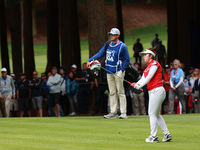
column 147, row 52
column 142, row 53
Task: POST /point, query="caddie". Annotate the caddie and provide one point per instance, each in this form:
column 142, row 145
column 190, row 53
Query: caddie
column 117, row 60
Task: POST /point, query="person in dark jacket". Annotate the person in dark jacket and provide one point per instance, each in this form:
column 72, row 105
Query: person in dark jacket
column 36, row 95
column 86, row 82
column 72, row 87
column 23, row 95
column 161, row 53
column 137, row 47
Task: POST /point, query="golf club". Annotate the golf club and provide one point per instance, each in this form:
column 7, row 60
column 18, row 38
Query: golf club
column 96, row 65
column 118, row 76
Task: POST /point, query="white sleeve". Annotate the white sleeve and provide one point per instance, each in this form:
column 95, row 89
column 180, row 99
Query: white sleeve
column 152, row 71
column 179, row 83
column 171, row 84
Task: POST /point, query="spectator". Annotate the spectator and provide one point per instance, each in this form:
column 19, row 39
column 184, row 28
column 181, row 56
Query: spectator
column 183, row 68
column 161, row 53
column 7, row 92
column 62, row 73
column 63, row 97
column 177, row 87
column 188, row 89
column 171, row 66
column 155, row 41
column 137, row 47
column 190, row 73
column 72, row 87
column 54, row 82
column 195, row 83
column 36, row 95
column 166, row 83
column 74, row 69
column 50, row 109
column 86, row 82
column 138, row 101
column 24, row 95
column 101, row 87
column 14, row 106
column 44, row 94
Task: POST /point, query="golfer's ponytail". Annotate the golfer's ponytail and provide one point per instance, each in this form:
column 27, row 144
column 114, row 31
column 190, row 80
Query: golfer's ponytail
column 154, row 50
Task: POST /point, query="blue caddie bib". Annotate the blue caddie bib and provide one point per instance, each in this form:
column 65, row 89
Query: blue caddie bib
column 112, row 57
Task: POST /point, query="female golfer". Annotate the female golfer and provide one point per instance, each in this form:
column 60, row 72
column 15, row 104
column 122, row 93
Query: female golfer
column 152, row 76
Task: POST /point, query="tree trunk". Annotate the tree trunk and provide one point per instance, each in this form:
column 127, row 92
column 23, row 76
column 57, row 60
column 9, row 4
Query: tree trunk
column 172, row 52
column 97, row 34
column 53, row 53
column 34, row 19
column 3, row 38
column 15, row 29
column 118, row 18
column 183, row 31
column 195, row 32
column 29, row 62
column 70, row 41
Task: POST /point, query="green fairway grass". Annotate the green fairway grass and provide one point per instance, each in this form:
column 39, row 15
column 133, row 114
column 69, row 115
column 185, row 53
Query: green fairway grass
column 96, row 133
column 146, row 35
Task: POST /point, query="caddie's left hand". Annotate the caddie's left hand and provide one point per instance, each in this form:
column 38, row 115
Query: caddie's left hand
column 120, row 73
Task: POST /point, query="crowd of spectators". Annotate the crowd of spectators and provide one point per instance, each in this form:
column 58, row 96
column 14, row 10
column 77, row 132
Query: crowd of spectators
column 80, row 92
column 54, row 93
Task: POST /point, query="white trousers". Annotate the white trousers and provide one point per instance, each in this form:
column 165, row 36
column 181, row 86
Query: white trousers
column 156, row 97
column 116, row 89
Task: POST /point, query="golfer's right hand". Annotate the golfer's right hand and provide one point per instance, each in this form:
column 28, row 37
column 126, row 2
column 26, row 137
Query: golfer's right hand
column 88, row 65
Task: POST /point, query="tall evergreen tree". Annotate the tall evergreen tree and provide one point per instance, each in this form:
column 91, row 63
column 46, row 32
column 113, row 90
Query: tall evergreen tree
column 29, row 61
column 118, row 18
column 3, row 38
column 53, row 53
column 70, row 41
column 97, row 34
column 15, row 29
column 183, row 31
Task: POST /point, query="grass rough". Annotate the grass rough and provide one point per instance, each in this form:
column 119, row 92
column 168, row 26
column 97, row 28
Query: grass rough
column 97, row 133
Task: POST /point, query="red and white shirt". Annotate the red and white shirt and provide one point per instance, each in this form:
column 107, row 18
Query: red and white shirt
column 152, row 76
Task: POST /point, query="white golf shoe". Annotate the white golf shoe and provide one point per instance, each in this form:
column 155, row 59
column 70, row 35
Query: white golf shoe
column 152, row 139
column 167, row 137
column 123, row 116
column 110, row 116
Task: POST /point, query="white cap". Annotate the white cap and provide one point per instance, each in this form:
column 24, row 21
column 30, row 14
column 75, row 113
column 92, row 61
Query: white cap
column 74, row 66
column 147, row 51
column 114, row 31
column 3, row 70
column 12, row 75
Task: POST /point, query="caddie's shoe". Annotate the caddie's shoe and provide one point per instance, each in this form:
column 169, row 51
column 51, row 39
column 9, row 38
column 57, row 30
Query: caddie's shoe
column 167, row 137
column 152, row 139
column 110, row 116
column 123, row 116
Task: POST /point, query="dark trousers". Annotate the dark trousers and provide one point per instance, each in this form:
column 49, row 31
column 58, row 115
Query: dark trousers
column 180, row 93
column 101, row 97
column 64, row 103
column 140, row 60
column 83, row 99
